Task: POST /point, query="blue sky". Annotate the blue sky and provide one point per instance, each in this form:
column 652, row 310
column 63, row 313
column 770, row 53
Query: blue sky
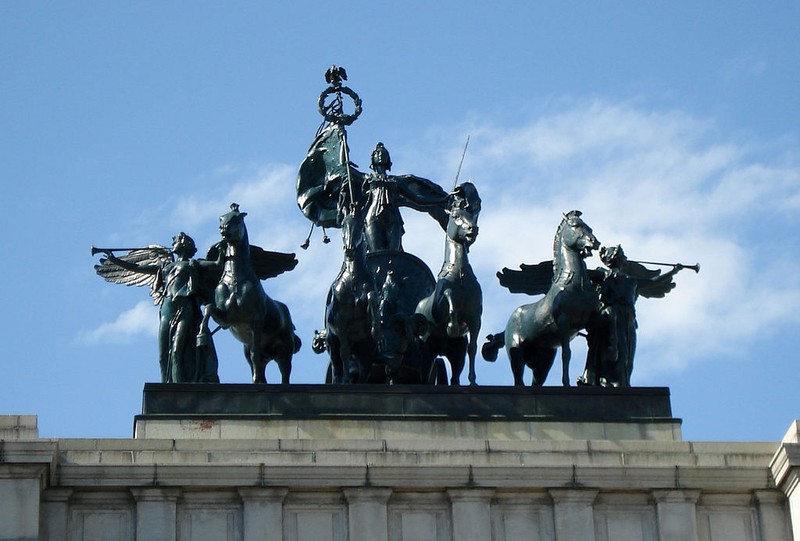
column 674, row 127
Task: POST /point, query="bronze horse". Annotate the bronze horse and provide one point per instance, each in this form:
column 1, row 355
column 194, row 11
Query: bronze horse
column 352, row 322
column 454, row 309
column 240, row 304
column 535, row 331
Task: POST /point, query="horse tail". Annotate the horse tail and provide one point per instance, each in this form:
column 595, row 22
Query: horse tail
column 493, row 344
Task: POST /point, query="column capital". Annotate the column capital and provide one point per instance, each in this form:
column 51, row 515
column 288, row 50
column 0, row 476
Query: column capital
column 57, row 495
column 769, row 496
column 156, row 494
column 470, row 494
column 573, row 495
column 785, row 467
column 367, row 494
column 675, row 495
column 263, row 494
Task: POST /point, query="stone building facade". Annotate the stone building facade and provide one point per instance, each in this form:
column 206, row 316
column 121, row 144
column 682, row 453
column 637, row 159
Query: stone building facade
column 229, row 478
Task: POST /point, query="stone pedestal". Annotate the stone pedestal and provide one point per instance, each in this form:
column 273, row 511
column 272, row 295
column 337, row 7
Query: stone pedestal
column 379, row 412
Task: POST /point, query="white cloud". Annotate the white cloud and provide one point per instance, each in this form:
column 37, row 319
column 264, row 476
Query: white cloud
column 142, row 319
column 667, row 188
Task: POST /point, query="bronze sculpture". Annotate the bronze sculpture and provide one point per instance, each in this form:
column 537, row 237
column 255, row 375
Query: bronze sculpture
column 240, row 304
column 386, row 319
column 535, row 331
column 453, row 311
column 612, row 333
column 332, row 192
column 175, row 281
column 352, row 320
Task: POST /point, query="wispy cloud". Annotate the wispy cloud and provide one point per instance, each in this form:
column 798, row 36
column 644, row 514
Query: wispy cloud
column 142, row 319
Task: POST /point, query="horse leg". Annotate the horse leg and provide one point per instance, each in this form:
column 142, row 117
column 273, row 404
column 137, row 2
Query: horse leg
column 517, row 365
column 334, row 351
column 258, row 363
column 472, row 349
column 566, row 355
column 284, row 361
column 456, row 352
column 350, row 366
column 541, row 362
column 453, row 327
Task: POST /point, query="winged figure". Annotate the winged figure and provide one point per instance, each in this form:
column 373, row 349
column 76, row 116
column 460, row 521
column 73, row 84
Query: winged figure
column 612, row 334
column 176, row 283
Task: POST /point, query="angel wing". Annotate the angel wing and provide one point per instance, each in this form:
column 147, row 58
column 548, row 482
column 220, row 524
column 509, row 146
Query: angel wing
column 150, row 260
column 267, row 264
column 530, row 279
column 657, row 287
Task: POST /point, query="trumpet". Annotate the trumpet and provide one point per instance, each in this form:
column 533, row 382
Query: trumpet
column 695, row 267
column 96, row 250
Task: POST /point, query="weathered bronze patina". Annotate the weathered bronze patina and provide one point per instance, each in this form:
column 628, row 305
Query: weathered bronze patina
column 372, row 328
column 175, row 281
column 227, row 284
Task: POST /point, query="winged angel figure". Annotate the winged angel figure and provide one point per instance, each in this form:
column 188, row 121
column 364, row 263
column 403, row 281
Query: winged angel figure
column 178, row 284
column 611, row 333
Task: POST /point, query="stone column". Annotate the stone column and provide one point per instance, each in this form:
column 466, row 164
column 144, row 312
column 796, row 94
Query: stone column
column 156, row 513
column 573, row 514
column 677, row 514
column 263, row 513
column 20, row 490
column 472, row 520
column 367, row 513
column 772, row 516
column 785, row 467
column 55, row 510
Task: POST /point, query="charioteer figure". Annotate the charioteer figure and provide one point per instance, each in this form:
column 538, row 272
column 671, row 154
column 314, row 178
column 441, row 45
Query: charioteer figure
column 333, row 193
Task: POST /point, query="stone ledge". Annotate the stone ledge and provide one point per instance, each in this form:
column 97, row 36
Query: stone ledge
column 418, row 402
column 215, row 428
column 19, row 427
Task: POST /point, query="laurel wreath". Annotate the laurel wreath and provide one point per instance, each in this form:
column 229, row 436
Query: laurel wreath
column 339, row 117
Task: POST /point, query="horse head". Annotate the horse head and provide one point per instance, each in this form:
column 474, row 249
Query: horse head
column 463, row 206
column 231, row 225
column 352, row 232
column 576, row 235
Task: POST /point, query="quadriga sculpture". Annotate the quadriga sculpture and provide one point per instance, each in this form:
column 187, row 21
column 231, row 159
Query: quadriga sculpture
column 453, row 310
column 535, row 331
column 240, row 304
